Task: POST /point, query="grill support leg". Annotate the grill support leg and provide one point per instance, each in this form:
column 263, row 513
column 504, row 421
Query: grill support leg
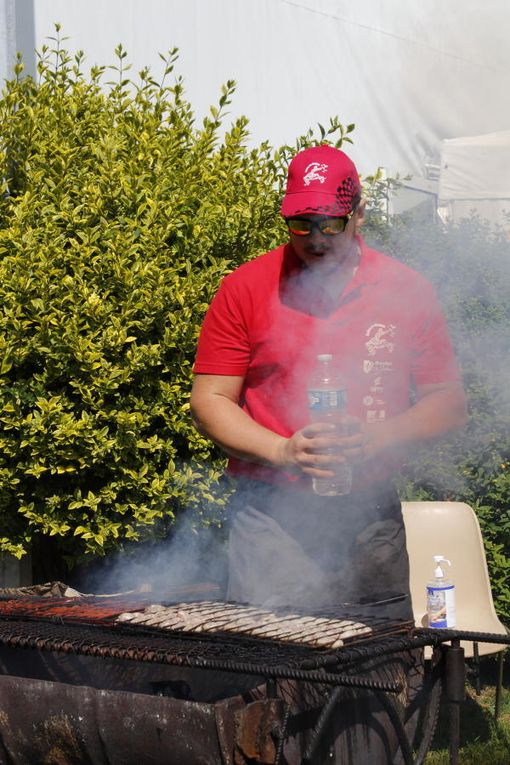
column 280, row 733
column 271, row 688
column 476, row 664
column 499, row 685
column 321, row 723
column 455, row 668
column 398, row 724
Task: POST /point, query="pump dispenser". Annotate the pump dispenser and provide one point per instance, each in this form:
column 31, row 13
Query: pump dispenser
column 440, row 597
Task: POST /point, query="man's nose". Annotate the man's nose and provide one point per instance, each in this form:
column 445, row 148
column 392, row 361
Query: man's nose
column 316, row 234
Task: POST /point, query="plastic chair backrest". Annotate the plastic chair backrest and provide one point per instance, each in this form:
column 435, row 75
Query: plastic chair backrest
column 451, row 529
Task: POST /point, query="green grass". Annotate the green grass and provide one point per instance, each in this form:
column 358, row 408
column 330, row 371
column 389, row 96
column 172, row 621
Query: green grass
column 483, row 741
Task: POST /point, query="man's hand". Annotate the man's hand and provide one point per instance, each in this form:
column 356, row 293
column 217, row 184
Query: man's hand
column 317, row 448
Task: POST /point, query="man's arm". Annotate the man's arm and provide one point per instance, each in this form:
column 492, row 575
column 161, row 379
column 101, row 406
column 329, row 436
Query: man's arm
column 216, row 414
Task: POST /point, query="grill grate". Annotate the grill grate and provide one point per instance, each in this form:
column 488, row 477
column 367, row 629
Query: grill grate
column 331, row 629
column 234, row 654
column 144, row 645
column 89, row 626
column 78, row 609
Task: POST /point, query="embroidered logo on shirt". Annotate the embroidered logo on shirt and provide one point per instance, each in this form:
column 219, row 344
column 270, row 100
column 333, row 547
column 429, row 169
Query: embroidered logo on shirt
column 370, row 401
column 313, row 173
column 379, row 336
column 376, row 416
column 376, row 366
column 377, row 385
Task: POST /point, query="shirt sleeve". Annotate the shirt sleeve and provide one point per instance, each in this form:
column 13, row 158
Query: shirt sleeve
column 433, row 359
column 223, row 346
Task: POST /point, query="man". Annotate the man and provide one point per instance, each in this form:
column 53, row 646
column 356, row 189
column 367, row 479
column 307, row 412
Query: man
column 324, row 291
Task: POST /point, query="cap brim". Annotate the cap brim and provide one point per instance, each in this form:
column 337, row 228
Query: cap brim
column 314, row 203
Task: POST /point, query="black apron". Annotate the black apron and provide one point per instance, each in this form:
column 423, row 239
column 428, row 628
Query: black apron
column 290, row 548
column 294, row 548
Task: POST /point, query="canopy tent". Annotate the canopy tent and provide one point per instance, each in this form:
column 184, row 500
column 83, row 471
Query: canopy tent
column 475, row 175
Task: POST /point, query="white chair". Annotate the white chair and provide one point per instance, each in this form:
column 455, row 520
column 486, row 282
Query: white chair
column 452, row 529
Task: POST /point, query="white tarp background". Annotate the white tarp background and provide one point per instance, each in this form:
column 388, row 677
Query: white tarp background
column 409, row 74
column 7, row 37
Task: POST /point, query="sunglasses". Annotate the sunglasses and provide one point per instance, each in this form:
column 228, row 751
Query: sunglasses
column 327, row 226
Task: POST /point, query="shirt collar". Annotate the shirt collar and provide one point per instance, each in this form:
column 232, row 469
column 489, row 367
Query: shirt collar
column 367, row 271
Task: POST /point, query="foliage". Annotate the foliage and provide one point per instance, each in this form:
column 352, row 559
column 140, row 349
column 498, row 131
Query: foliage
column 119, row 215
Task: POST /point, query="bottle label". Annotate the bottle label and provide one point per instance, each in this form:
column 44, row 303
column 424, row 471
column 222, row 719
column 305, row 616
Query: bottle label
column 441, row 606
column 323, row 400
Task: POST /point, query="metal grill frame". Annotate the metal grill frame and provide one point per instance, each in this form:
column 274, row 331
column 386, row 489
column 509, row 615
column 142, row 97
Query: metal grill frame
column 337, row 669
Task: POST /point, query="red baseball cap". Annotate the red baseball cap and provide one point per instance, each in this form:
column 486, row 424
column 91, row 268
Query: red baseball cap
column 321, row 180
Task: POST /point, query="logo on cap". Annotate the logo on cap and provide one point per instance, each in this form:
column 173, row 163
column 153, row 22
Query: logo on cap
column 313, row 173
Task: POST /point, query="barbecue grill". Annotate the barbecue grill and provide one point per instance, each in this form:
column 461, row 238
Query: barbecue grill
column 125, row 680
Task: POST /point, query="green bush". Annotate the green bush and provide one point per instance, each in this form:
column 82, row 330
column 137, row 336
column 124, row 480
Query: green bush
column 118, row 217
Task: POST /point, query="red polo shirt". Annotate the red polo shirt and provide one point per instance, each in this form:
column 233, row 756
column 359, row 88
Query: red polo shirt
column 269, row 320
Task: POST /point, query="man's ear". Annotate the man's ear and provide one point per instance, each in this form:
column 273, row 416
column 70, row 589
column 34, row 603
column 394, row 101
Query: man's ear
column 359, row 215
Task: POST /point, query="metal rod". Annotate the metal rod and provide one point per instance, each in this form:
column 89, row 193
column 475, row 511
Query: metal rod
column 499, row 684
column 326, row 678
column 454, row 726
column 162, row 656
column 352, row 655
column 440, row 636
column 271, row 688
column 476, row 663
column 319, row 726
column 419, row 639
column 403, row 740
column 281, row 735
column 430, row 713
column 455, row 668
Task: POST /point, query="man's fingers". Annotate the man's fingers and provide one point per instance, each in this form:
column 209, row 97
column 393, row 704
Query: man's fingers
column 316, row 472
column 318, row 448
column 314, row 428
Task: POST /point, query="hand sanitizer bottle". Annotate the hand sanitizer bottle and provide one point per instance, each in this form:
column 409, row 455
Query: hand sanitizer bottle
column 440, row 598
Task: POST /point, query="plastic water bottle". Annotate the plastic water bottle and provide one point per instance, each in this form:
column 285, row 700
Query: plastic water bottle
column 327, row 401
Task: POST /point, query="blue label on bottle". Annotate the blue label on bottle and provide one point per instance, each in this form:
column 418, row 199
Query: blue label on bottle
column 441, row 606
column 323, row 400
